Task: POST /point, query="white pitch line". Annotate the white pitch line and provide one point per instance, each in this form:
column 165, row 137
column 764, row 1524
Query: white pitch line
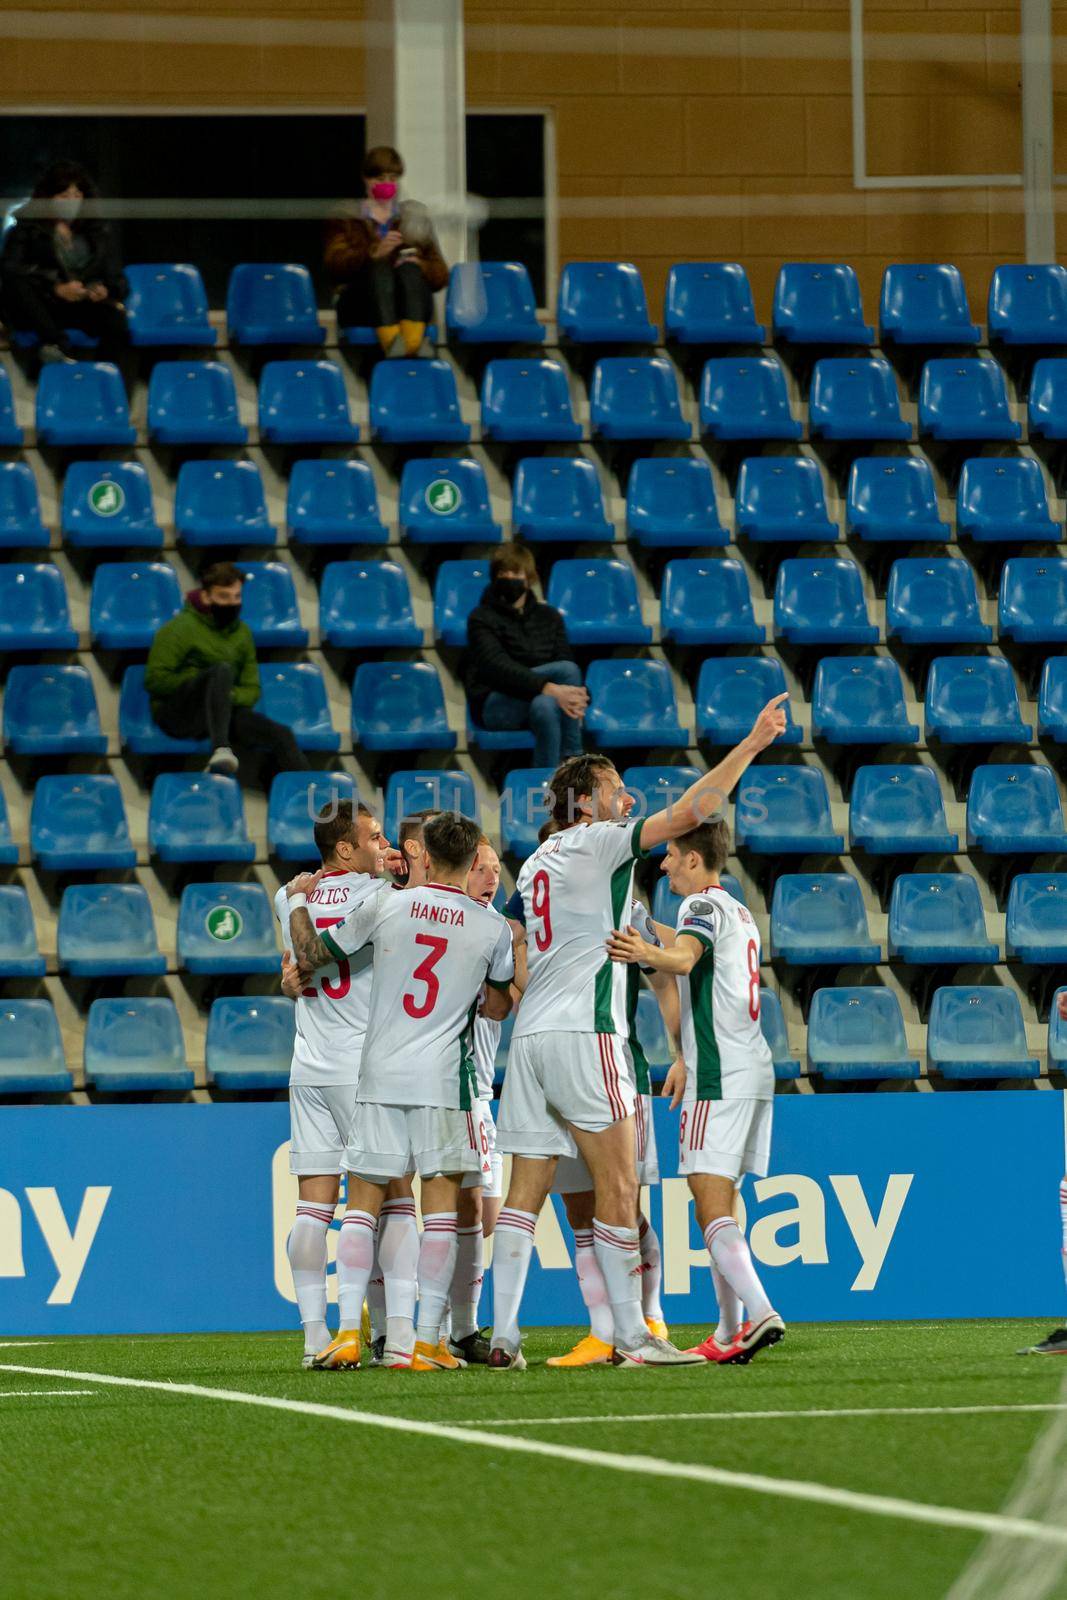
column 756, row 1416
column 24, row 1344
column 641, row 1466
column 33, row 1394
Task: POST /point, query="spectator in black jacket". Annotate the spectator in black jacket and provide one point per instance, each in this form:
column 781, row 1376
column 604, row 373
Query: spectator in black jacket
column 60, row 268
column 520, row 669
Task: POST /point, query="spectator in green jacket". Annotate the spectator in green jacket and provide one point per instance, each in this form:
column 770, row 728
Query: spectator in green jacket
column 203, row 681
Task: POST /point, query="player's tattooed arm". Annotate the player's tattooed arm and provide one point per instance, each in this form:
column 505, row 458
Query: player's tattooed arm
column 308, row 949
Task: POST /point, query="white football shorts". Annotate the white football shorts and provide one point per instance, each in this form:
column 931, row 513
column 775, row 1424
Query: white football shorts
column 553, row 1079
column 319, row 1120
column 490, row 1176
column 574, row 1177
column 725, row 1137
column 390, row 1141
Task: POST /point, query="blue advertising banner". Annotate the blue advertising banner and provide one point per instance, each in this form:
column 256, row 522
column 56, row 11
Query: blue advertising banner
column 169, row 1219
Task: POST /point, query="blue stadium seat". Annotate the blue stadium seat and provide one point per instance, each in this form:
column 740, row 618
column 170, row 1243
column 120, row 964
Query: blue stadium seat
column 226, row 928
column 166, row 305
column 9, row 850
column 785, row 811
column 926, row 304
column 973, row 700
column 78, row 824
column 899, row 810
column 434, row 789
column 938, row 918
column 708, row 602
column 1002, row 499
column 366, row 337
column 1032, row 603
column 221, row 502
column 198, row 816
column 249, row 1043
column 139, row 732
column 135, row 1046
column 1014, row 809
column 399, row 705
column 19, row 955
column 272, row 303
column 772, row 1026
column 635, row 397
column 603, row 302
column 934, row 600
column 965, row 397
column 1028, row 304
column 732, row 691
column 527, row 399
column 856, row 1034
column 821, row 601
column 855, row 399
column 415, row 402
column 31, row 1049
column 51, row 711
column 193, row 402
column 522, row 809
column 304, row 402
column 492, row 302
column 269, row 605
column 657, row 789
column 446, row 502
column 1052, row 700
column 558, row 499
column 108, row 505
column 366, row 605
column 819, row 303
column 599, row 602
column 977, row 1031
column 893, row 500
column 457, row 589
column 1047, row 405
column 21, row 527
column 860, row 700
column 781, row 498
column 333, row 502
column 1036, row 930
column 710, row 302
column 1057, row 1035
column 34, row 613
column 130, row 948
column 296, row 798
column 745, row 397
column 670, row 503
column 294, row 693
column 665, row 905
column 82, row 403
column 818, row 918
column 507, row 739
column 632, row 703
column 10, row 432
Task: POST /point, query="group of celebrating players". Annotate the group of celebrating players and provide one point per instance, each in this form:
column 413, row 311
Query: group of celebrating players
column 403, row 972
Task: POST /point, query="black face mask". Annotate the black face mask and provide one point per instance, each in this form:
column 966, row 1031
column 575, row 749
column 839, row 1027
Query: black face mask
column 224, row 615
column 508, row 590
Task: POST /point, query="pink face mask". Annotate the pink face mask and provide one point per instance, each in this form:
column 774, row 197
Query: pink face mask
column 385, row 190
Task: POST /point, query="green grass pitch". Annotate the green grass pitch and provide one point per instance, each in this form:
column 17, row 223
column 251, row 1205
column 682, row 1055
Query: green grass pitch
column 123, row 1492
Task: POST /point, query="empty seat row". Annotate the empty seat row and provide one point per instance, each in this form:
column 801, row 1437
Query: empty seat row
column 974, row 1032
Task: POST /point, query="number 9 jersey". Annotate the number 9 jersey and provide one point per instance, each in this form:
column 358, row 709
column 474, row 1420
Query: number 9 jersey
column 726, row 1055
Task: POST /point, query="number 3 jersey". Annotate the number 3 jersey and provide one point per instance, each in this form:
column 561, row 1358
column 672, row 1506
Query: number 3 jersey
column 726, row 1055
column 434, row 948
column 331, row 1013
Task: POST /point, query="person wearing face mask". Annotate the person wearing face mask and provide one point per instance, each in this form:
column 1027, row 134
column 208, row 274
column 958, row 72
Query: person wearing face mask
column 60, row 268
column 384, row 259
column 203, row 681
column 520, row 670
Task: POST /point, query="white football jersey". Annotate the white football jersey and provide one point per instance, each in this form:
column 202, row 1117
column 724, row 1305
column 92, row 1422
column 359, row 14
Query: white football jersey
column 331, row 1013
column 726, row 1055
column 577, row 887
column 434, row 948
column 486, row 1040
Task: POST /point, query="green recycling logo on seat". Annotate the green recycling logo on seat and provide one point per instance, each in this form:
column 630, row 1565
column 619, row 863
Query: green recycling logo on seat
column 223, row 923
column 443, row 497
column 106, row 498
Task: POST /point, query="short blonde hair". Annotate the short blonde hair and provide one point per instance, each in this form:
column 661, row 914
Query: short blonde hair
column 513, row 558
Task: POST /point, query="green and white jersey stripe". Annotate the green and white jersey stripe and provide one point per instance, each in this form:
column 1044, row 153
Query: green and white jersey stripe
column 726, row 1055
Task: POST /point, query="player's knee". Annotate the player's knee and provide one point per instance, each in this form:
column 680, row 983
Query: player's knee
column 617, row 1194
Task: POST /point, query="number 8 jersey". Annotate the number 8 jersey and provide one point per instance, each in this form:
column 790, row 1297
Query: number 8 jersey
column 726, row 1055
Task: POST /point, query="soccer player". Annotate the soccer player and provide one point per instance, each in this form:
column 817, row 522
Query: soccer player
column 434, row 949
column 568, row 1081
column 725, row 1079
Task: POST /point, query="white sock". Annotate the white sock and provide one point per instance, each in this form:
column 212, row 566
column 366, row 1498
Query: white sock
column 355, row 1259
column 466, row 1292
column 731, row 1311
column 619, row 1255
column 398, row 1252
column 1063, row 1221
column 594, row 1289
column 512, row 1246
column 729, row 1251
column 306, row 1249
column 437, row 1262
column 651, row 1270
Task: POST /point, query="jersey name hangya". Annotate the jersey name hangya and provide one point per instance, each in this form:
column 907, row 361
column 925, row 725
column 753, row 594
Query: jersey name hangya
column 452, row 915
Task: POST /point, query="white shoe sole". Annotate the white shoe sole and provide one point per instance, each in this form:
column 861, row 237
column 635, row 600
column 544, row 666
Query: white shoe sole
column 627, row 1358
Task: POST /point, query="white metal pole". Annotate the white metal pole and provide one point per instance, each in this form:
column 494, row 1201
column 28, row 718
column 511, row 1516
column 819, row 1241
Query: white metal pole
column 1035, row 37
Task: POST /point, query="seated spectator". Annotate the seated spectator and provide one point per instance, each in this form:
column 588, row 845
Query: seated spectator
column 60, row 268
column 384, row 259
column 203, row 681
column 520, row 671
